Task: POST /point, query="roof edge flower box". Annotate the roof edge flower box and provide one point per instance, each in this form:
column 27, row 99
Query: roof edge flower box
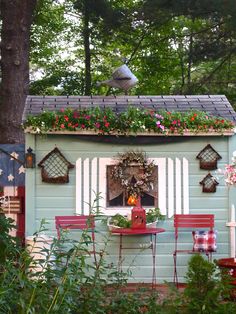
column 130, row 121
column 223, row 132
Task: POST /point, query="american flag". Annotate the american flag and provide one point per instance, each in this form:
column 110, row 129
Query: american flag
column 12, row 170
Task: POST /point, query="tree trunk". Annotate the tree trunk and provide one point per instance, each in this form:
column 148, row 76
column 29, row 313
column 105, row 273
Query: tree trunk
column 87, row 52
column 17, row 16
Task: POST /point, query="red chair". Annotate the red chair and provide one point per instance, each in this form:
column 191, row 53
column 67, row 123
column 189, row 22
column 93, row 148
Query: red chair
column 191, row 221
column 83, row 222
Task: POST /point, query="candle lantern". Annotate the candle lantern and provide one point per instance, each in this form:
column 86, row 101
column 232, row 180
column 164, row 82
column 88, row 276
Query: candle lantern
column 29, row 158
column 132, row 200
column 138, row 217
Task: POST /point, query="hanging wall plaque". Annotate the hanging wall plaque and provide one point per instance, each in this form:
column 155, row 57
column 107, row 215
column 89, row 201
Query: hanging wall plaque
column 55, row 167
column 208, row 158
column 209, row 184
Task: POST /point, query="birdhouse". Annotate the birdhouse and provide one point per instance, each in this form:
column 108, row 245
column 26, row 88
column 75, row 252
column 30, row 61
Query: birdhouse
column 138, row 217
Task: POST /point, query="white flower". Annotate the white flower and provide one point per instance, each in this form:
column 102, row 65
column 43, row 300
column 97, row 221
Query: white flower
column 37, row 130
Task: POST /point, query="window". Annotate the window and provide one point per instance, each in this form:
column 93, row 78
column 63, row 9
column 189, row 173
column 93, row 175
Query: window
column 172, row 186
column 115, row 195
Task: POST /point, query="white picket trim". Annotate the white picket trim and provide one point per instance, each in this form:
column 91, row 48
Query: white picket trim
column 178, row 186
column 94, row 179
column 86, row 186
column 78, row 187
column 161, row 164
column 170, row 187
column 185, row 186
column 103, row 163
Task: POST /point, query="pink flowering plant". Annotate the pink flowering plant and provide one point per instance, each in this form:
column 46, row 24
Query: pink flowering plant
column 133, row 120
column 230, row 172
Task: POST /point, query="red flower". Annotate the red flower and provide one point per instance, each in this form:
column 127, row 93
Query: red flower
column 192, row 119
column 107, row 124
column 62, row 126
column 75, row 114
column 82, row 126
column 66, row 118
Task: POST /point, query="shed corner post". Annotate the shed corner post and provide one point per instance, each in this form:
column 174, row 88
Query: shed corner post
column 232, row 201
column 30, row 182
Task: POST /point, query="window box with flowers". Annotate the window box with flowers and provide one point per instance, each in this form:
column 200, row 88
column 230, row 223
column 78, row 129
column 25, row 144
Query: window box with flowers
column 133, row 121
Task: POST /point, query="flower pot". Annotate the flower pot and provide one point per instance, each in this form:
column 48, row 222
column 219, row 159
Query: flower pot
column 228, row 265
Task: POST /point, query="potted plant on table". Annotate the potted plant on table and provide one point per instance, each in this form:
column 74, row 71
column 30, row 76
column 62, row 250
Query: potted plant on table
column 153, row 215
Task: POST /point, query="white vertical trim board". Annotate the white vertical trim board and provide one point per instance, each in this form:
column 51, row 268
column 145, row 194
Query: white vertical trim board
column 185, row 186
column 161, row 163
column 103, row 163
column 94, row 179
column 170, row 187
column 178, row 186
column 78, row 187
column 86, row 186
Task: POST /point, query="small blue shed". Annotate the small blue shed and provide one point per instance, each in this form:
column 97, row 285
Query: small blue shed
column 182, row 185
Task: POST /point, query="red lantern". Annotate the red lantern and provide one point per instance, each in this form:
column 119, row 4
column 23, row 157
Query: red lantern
column 138, row 217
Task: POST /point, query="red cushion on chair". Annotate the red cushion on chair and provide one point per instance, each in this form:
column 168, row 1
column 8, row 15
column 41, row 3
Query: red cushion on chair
column 204, row 241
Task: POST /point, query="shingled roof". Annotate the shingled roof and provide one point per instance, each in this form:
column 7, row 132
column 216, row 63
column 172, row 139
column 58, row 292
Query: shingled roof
column 217, row 105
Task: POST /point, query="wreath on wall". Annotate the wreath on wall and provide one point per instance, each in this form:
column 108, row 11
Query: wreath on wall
column 134, row 173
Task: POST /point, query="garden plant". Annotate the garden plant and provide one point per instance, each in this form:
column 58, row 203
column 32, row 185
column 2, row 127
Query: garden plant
column 67, row 282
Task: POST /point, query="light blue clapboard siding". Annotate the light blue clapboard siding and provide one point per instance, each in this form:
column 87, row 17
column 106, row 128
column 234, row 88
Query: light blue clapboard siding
column 44, row 201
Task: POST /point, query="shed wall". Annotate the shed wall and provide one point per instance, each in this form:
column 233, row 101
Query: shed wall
column 44, row 201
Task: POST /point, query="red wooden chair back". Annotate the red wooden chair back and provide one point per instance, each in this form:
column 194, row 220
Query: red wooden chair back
column 195, row 221
column 191, row 221
column 83, row 222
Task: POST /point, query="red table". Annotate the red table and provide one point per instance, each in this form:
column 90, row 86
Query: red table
column 152, row 232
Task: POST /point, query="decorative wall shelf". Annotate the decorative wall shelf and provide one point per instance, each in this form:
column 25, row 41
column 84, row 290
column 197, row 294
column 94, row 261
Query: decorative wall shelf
column 208, row 158
column 209, row 184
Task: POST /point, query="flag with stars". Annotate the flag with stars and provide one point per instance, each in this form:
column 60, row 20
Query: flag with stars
column 12, row 170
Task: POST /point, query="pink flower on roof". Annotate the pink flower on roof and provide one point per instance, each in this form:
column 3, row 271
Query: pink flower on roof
column 160, row 126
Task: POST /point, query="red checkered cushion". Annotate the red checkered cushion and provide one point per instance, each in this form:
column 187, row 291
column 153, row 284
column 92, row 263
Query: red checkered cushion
column 204, row 241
